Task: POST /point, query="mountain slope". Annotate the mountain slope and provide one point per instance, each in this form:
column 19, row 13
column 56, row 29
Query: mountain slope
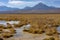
column 4, row 8
column 39, row 8
column 42, row 6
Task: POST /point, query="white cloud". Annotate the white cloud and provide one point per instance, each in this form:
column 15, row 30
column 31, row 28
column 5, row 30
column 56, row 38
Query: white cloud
column 30, row 3
column 20, row 4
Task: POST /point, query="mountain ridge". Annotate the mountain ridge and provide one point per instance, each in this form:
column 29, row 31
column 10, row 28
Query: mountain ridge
column 39, row 8
column 4, row 8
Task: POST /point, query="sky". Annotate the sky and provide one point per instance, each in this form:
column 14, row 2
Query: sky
column 30, row 3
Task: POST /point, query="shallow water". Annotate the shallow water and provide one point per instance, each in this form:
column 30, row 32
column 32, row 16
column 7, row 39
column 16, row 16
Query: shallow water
column 13, row 22
column 3, row 22
column 58, row 29
column 10, row 22
column 22, row 35
column 20, row 30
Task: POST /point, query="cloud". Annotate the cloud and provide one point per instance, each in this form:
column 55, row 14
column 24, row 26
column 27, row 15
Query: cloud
column 25, row 0
column 30, row 3
column 21, row 4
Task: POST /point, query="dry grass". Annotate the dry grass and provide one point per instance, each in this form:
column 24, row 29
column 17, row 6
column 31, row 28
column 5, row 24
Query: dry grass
column 40, row 23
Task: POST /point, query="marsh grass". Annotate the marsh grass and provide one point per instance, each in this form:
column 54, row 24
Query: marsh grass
column 40, row 23
column 51, row 38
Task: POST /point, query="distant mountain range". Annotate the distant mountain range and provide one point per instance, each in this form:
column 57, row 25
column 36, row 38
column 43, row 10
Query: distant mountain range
column 4, row 8
column 39, row 8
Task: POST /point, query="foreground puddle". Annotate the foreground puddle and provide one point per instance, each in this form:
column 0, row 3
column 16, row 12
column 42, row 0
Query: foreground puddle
column 10, row 22
column 19, row 31
column 20, row 35
column 58, row 29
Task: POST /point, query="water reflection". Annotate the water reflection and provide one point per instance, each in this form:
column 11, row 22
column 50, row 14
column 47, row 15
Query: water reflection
column 19, row 31
column 10, row 22
column 58, row 29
